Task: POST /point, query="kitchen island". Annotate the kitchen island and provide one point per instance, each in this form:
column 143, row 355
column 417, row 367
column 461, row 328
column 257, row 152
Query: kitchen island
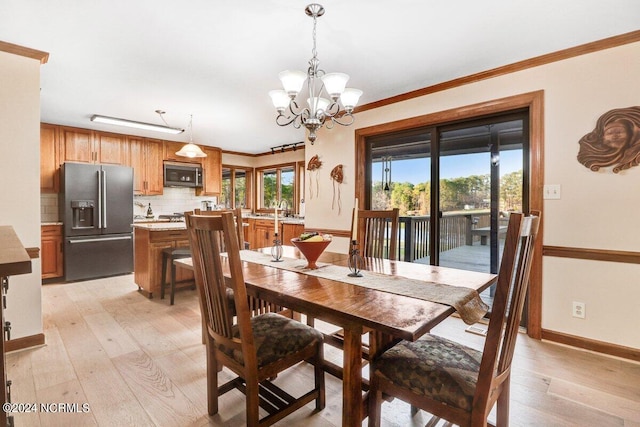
column 149, row 240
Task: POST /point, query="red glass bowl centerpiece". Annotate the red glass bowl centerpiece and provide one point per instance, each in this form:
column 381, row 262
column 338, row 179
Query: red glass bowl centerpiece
column 311, row 250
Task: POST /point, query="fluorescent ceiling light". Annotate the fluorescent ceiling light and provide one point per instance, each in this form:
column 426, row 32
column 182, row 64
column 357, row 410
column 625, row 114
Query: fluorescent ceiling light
column 134, row 124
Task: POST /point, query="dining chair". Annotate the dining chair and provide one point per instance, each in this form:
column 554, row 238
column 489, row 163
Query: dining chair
column 254, row 348
column 378, row 232
column 450, row 380
column 237, row 215
column 377, row 238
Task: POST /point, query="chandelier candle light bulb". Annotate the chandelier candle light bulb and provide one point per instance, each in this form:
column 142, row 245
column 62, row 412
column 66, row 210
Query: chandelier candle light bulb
column 319, row 110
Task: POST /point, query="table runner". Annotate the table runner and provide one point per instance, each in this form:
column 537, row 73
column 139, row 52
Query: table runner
column 466, row 301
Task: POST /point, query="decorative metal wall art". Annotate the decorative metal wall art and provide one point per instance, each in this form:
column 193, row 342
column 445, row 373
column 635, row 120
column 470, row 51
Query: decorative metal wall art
column 615, row 141
column 313, row 166
column 337, row 177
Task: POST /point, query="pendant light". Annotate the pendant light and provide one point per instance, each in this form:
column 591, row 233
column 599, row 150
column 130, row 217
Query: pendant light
column 191, row 150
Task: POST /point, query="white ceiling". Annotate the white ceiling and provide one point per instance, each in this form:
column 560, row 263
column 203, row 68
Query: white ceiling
column 218, row 59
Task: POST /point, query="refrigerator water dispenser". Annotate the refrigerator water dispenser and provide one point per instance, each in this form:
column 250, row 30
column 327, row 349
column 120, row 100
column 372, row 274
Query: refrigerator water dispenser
column 82, row 213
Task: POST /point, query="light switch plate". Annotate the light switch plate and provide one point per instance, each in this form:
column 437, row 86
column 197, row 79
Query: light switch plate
column 551, row 191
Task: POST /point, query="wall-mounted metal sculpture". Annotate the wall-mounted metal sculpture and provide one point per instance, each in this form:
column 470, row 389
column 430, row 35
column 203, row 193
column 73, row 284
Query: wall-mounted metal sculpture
column 337, row 177
column 313, row 166
column 615, row 141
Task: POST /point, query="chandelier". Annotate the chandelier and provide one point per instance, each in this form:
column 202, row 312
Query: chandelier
column 319, row 110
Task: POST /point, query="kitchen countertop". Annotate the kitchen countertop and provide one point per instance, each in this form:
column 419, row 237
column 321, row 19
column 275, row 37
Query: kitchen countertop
column 51, row 223
column 161, row 226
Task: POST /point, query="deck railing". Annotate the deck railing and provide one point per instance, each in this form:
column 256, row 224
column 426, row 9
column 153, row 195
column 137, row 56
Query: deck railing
column 455, row 231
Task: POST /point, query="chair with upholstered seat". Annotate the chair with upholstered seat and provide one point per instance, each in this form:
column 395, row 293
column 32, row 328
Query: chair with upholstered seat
column 254, row 348
column 450, row 380
column 377, row 238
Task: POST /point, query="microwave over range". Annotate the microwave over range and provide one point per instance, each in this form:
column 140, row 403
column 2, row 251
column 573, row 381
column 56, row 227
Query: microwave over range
column 182, row 175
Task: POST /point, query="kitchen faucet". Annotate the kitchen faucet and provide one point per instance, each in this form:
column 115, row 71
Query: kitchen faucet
column 284, row 206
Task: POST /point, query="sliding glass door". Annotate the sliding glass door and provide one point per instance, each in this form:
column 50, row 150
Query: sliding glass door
column 455, row 185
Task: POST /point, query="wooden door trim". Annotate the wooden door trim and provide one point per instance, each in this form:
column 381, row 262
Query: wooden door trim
column 534, row 101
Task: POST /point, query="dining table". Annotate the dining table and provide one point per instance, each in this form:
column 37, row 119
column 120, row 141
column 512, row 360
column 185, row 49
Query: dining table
column 354, row 304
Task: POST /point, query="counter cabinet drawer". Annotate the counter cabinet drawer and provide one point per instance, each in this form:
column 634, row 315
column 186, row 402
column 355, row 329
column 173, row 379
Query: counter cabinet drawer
column 168, row 235
column 51, row 230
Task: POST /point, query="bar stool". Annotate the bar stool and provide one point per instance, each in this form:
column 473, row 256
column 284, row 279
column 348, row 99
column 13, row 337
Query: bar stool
column 169, row 255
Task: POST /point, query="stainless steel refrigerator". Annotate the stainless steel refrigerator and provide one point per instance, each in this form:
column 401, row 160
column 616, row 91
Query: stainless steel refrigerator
column 96, row 206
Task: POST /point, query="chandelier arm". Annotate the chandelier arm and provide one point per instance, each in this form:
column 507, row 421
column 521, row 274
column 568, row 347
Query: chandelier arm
column 332, row 110
column 282, row 120
column 349, row 122
column 295, row 109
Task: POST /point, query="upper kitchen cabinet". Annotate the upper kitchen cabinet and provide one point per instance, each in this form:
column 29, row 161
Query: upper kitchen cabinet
column 76, row 145
column 111, row 148
column 85, row 146
column 212, row 167
column 170, row 149
column 49, row 159
column 145, row 157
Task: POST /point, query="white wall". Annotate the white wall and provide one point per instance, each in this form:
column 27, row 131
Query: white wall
column 597, row 210
column 20, row 178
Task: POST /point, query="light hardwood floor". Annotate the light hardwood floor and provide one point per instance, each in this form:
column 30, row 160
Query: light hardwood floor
column 140, row 362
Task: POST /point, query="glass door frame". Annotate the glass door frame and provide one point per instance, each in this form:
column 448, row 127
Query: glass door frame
column 534, row 102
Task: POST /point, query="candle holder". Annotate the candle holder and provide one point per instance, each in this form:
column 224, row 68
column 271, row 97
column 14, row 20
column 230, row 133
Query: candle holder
column 355, row 260
column 276, row 249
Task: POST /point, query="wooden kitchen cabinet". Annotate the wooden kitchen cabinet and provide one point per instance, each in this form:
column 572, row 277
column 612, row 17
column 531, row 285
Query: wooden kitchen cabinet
column 145, row 157
column 212, row 169
column 51, row 251
column 111, row 148
column 76, row 145
column 148, row 247
column 260, row 233
column 49, row 159
column 289, row 231
column 86, row 146
column 170, row 149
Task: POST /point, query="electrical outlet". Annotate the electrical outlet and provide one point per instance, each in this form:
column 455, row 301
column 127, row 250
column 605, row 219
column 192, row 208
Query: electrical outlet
column 578, row 310
column 551, row 191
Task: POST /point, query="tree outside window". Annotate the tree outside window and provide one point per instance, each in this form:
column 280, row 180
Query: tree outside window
column 277, row 185
column 235, row 189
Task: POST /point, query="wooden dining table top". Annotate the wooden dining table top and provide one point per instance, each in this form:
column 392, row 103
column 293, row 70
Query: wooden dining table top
column 340, row 303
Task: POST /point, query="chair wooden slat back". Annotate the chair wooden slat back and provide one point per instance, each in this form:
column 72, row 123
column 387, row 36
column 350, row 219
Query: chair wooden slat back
column 257, row 360
column 378, row 233
column 506, row 312
column 237, row 215
column 207, row 234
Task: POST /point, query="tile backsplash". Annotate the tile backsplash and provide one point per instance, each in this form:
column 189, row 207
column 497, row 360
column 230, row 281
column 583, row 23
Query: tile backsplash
column 49, row 208
column 173, row 200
